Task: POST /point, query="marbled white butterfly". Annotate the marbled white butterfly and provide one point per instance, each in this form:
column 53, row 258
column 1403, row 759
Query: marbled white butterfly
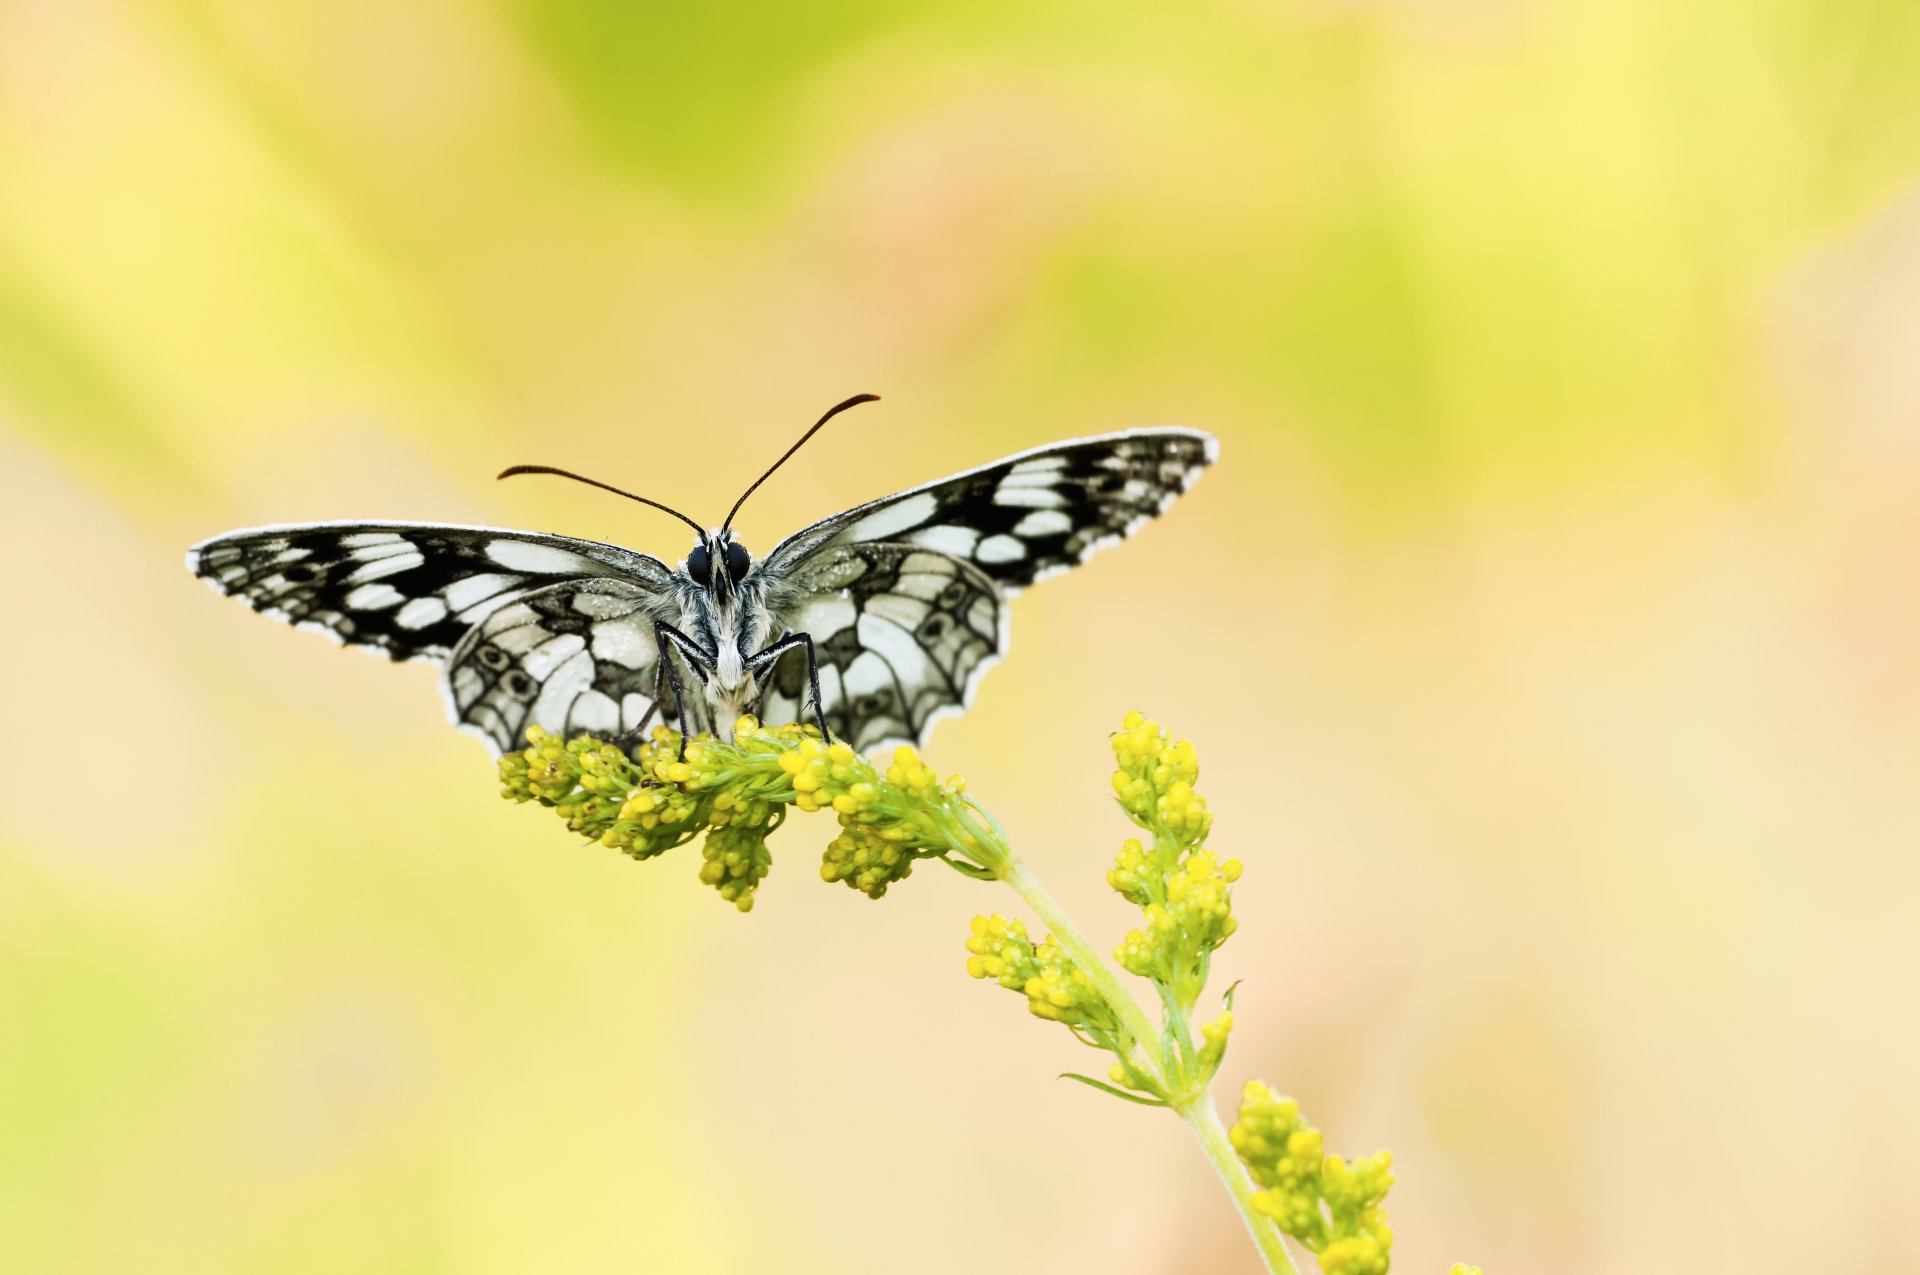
column 872, row 623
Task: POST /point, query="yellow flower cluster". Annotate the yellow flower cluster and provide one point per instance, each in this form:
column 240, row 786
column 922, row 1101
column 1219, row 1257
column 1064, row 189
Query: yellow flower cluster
column 1181, row 888
column 593, row 787
column 1195, row 918
column 887, row 821
column 736, row 794
column 1328, row 1204
column 1183, row 891
column 648, row 804
column 1461, row 1268
column 1056, row 988
column 1155, row 781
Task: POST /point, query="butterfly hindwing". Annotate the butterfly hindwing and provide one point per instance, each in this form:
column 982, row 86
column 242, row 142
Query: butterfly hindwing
column 576, row 658
column 408, row 590
column 1028, row 516
column 901, row 634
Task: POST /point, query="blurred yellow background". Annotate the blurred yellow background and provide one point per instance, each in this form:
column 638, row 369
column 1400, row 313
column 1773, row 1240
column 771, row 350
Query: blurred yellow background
column 1550, row 629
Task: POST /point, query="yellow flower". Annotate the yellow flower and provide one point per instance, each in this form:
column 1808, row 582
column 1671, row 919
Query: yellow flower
column 1213, row 1044
column 864, row 858
column 1155, row 781
column 734, row 794
column 1056, row 989
column 1328, row 1204
column 1180, row 887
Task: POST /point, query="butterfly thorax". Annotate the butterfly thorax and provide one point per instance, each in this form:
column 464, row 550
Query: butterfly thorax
column 723, row 608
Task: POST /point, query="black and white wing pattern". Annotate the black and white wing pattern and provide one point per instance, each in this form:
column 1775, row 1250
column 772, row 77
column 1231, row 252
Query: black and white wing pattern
column 905, row 596
column 531, row 627
column 1030, row 515
column 901, row 635
column 575, row 658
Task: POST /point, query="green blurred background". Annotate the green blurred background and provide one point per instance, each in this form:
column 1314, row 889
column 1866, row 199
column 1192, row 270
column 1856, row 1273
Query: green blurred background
column 1548, row 628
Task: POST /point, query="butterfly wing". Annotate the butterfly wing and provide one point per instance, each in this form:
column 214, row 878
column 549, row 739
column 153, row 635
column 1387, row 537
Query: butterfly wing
column 575, row 658
column 901, row 635
column 905, row 597
column 494, row 606
column 1030, row 515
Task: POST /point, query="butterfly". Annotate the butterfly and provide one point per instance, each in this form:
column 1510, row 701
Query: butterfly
column 872, row 624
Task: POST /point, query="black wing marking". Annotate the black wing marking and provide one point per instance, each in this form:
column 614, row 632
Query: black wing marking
column 1021, row 519
column 411, row 591
column 575, row 658
column 902, row 636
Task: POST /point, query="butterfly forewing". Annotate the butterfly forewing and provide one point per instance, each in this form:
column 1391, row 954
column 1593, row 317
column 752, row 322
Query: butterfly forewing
column 409, row 590
column 1028, row 516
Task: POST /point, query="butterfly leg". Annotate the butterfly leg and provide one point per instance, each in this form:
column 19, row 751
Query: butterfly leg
column 770, row 656
column 639, row 730
column 665, row 636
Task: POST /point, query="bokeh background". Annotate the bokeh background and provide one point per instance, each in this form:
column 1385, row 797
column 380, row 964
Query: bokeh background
column 1549, row 629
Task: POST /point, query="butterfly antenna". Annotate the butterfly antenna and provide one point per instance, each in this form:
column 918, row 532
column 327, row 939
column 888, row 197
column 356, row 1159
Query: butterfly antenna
column 511, row 470
column 832, row 412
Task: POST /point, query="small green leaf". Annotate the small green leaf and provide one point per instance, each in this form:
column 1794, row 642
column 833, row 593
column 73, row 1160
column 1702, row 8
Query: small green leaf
column 1104, row 1087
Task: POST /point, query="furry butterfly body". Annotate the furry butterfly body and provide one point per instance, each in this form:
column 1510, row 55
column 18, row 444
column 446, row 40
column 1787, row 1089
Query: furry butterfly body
column 874, row 623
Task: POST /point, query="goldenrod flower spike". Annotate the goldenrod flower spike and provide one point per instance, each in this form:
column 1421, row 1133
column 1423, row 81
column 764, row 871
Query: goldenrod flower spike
column 1331, row 1205
column 733, row 795
column 736, row 794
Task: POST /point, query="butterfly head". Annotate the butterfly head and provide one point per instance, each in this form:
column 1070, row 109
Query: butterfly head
column 718, row 561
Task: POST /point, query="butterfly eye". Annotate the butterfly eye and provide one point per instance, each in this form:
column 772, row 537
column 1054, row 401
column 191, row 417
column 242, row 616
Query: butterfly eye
column 738, row 560
column 699, row 566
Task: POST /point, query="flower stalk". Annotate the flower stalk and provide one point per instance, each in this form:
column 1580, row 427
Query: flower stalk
column 734, row 795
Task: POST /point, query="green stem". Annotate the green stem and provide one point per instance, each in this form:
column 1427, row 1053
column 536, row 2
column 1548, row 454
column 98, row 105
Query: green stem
column 1068, row 935
column 1204, row 1120
column 1196, row 1108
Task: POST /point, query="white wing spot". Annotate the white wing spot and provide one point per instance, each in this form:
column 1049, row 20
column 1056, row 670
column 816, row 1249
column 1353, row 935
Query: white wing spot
column 474, row 590
column 835, row 573
column 420, row 612
column 595, row 713
column 901, row 515
column 521, row 556
column 1001, row 549
column 603, row 606
column 382, row 567
column 823, row 617
column 906, row 611
column 1045, row 496
column 466, row 684
column 896, row 646
column 868, row 673
column 374, row 597
column 367, row 539
column 622, row 643
column 1026, row 480
column 947, row 538
column 1043, row 522
column 568, row 680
